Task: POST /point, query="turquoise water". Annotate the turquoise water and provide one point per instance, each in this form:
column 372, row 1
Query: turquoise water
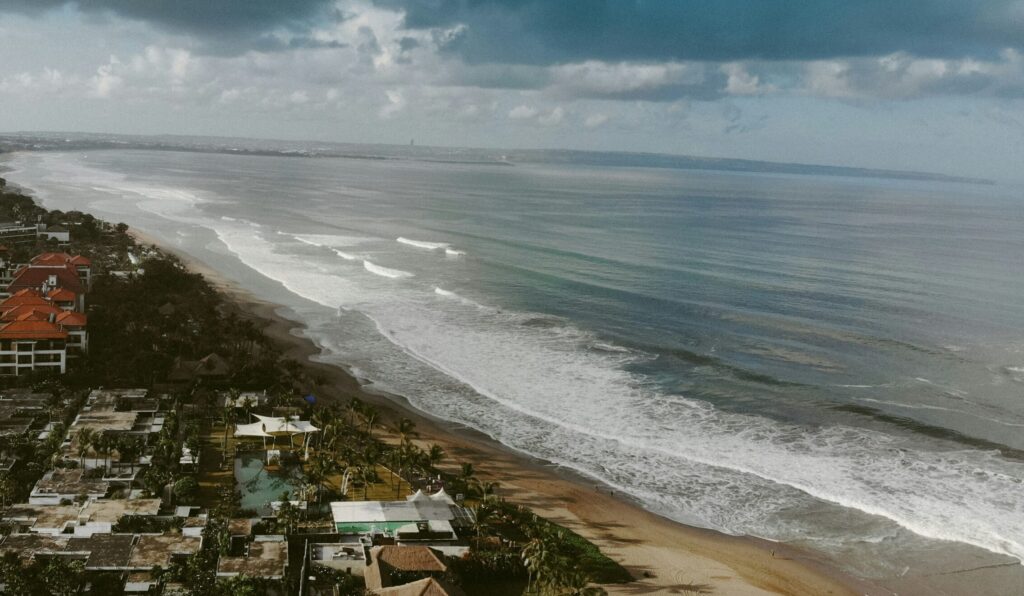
column 832, row 362
column 259, row 486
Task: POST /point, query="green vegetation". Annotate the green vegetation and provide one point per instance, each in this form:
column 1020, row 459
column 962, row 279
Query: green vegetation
column 143, row 325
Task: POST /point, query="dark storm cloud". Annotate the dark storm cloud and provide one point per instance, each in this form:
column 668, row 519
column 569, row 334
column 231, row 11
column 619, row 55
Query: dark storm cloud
column 225, row 25
column 546, row 32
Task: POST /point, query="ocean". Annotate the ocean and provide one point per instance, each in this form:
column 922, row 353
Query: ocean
column 833, row 362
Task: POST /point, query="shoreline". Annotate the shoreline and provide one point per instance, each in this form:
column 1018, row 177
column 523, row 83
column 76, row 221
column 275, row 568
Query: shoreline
column 662, row 555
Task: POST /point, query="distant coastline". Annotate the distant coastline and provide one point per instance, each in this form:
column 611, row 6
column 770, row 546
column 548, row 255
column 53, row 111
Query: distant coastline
column 62, row 141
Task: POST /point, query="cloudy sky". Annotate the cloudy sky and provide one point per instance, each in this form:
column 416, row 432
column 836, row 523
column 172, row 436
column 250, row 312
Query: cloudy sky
column 934, row 85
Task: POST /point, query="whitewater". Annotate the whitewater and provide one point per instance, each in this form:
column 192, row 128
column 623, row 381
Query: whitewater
column 598, row 349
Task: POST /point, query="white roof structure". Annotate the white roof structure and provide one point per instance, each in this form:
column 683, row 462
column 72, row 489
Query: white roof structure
column 254, row 429
column 273, row 426
column 443, row 497
column 356, row 512
column 277, row 426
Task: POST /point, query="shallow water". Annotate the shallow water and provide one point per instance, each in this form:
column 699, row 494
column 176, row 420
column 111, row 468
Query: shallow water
column 259, row 486
column 827, row 361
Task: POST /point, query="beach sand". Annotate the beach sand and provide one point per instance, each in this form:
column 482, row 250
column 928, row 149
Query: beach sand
column 663, row 556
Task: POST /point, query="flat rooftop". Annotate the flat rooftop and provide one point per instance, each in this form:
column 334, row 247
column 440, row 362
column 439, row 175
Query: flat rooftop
column 160, row 550
column 267, row 558
column 111, row 510
column 25, row 546
column 69, row 482
column 106, row 551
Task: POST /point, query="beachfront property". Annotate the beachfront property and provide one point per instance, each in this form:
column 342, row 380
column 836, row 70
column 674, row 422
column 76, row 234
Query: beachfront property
column 406, row 570
column 420, row 518
column 16, row 232
column 42, row 316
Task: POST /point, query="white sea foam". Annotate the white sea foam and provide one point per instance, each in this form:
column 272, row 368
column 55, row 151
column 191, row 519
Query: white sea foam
column 423, row 243
column 345, row 255
column 463, row 299
column 583, row 409
column 331, row 240
column 451, row 252
column 384, row 271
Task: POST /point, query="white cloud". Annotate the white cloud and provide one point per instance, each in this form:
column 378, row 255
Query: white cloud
column 395, row 104
column 552, row 118
column 595, row 120
column 105, row 81
column 522, row 113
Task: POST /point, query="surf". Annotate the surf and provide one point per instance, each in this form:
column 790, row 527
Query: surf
column 384, row 271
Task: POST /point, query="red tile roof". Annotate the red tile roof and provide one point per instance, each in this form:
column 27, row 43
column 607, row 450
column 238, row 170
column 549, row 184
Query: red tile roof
column 410, row 558
column 32, row 330
column 35, row 277
column 25, row 297
column 72, row 319
column 51, row 258
column 15, row 312
column 62, row 295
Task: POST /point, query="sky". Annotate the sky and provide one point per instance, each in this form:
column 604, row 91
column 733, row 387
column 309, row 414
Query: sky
column 932, row 85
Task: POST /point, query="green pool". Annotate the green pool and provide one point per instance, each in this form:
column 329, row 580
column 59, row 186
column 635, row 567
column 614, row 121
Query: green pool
column 259, row 486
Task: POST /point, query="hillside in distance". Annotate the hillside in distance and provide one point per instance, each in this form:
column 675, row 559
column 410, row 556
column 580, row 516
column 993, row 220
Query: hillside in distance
column 62, row 141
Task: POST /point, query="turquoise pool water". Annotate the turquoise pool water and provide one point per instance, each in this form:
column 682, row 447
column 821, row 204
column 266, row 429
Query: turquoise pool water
column 259, row 486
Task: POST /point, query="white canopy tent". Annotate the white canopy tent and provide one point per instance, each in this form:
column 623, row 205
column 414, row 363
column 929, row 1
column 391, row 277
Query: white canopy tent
column 275, row 426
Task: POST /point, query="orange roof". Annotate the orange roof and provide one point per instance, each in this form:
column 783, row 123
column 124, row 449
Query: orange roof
column 32, row 298
column 80, row 260
column 32, row 330
column 72, row 319
column 28, row 292
column 410, row 558
column 51, row 258
column 29, row 315
column 12, row 313
column 62, row 295
column 34, row 276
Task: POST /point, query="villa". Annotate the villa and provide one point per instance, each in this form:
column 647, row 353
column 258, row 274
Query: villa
column 421, row 515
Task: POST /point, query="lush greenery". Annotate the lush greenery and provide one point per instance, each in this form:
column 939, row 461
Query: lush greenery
column 143, row 325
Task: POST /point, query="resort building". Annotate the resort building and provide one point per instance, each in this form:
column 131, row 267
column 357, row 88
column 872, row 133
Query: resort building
column 42, row 320
column 29, row 345
column 16, row 232
column 420, row 516
column 406, row 570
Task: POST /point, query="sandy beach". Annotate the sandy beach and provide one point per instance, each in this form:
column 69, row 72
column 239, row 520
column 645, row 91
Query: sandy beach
column 663, row 556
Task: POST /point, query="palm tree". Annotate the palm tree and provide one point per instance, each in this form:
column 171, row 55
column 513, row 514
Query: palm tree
column 102, row 446
column 128, row 448
column 434, row 455
column 406, row 428
column 227, row 418
column 370, row 414
column 354, row 407
column 84, row 440
column 466, row 475
column 7, row 490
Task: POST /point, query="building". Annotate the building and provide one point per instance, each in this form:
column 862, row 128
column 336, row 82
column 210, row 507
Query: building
column 406, row 570
column 42, row 320
column 266, row 557
column 32, row 345
column 421, row 514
